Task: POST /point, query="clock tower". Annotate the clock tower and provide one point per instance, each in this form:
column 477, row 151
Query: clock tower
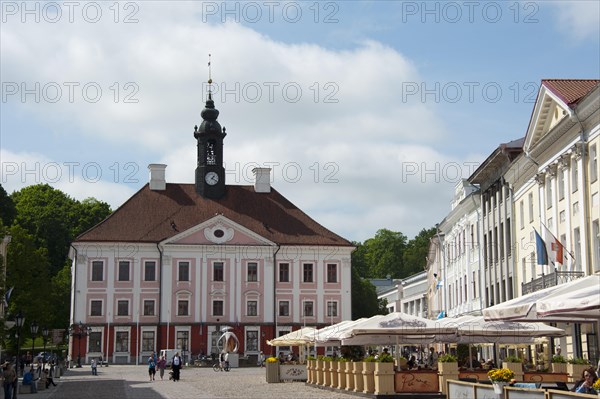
column 210, row 174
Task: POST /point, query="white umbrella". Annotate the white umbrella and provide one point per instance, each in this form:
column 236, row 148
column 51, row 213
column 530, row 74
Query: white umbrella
column 407, row 328
column 295, row 338
column 474, row 329
column 575, row 308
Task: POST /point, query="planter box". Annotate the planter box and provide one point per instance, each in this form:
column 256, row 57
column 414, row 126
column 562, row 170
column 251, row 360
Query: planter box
column 384, row 378
column 292, row 372
column 310, row 370
column 559, row 368
column 326, row 373
column 333, row 371
column 448, row 368
column 341, row 375
column 575, row 371
column 319, row 372
column 368, row 377
column 350, row 376
column 424, row 381
column 358, row 377
column 516, row 367
column 272, row 372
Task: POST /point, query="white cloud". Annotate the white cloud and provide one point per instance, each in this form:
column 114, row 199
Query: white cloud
column 579, row 19
column 350, row 135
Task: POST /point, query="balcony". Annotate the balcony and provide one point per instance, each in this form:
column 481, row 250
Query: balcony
column 549, row 280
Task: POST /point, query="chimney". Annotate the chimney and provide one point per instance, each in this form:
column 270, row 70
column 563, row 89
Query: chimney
column 157, row 176
column 262, row 182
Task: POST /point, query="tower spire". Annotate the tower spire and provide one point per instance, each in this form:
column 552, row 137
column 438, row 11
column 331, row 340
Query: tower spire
column 209, row 80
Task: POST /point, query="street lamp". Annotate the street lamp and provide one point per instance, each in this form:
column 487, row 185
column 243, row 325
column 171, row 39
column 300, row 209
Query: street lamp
column 33, row 329
column 45, row 335
column 19, row 320
column 79, row 330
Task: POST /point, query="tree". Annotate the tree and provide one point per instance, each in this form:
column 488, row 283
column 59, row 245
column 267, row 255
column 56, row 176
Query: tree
column 415, row 255
column 27, row 273
column 7, row 208
column 383, row 254
column 364, row 298
column 54, row 219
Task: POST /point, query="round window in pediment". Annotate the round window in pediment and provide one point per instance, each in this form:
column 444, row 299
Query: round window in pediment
column 219, row 233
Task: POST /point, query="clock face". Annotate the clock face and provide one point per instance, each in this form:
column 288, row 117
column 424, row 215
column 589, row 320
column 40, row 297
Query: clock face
column 211, row 178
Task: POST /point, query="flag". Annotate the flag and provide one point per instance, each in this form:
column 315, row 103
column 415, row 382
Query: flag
column 7, row 296
column 556, row 250
column 540, row 249
column 439, row 284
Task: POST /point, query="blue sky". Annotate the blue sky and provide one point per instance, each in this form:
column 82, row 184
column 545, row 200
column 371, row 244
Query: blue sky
column 369, row 112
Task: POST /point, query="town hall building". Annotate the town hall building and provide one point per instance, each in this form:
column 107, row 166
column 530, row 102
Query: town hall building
column 178, row 263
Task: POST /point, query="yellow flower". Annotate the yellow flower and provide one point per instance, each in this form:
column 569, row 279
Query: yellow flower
column 596, row 385
column 501, row 375
column 272, row 360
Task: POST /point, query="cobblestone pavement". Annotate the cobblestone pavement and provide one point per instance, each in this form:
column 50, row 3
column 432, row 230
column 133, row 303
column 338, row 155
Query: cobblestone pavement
column 131, row 382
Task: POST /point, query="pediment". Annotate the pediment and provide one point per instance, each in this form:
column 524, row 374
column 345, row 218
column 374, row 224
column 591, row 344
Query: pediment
column 548, row 111
column 218, row 230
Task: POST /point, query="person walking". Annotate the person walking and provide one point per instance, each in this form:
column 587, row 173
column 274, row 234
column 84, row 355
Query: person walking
column 162, row 364
column 151, row 367
column 94, row 367
column 9, row 376
column 176, row 366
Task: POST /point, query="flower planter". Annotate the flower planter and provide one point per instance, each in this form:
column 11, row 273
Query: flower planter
column 272, row 372
column 368, row 377
column 341, row 375
column 516, row 367
column 575, row 371
column 350, row 376
column 559, row 368
column 384, row 379
column 448, row 368
column 499, row 387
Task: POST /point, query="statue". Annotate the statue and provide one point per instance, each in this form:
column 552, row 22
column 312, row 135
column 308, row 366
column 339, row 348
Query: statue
column 228, row 342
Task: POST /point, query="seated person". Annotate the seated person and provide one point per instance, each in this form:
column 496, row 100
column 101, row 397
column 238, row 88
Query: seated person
column 30, row 381
column 476, row 363
column 412, row 362
column 588, row 377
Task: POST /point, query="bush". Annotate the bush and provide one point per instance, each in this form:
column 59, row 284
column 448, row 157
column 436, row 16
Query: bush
column 447, row 358
column 513, row 359
column 578, row 360
column 369, row 359
column 385, row 358
column 558, row 359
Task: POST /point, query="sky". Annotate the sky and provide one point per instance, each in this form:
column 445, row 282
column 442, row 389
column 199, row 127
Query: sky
column 368, row 112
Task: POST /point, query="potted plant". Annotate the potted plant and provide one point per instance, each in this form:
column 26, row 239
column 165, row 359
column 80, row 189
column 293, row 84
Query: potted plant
column 272, row 367
column 402, row 363
column 575, row 367
column 514, row 363
column 384, row 375
column 596, row 386
column 559, row 364
column 448, row 364
column 500, row 378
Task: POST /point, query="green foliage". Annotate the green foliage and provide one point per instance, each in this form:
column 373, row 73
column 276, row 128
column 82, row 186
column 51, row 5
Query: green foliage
column 27, row 272
column 354, row 353
column 369, row 359
column 447, row 358
column 7, row 208
column 558, row 359
column 578, row 360
column 513, row 359
column 45, row 223
column 364, row 298
column 327, row 358
column 385, row 358
column 415, row 254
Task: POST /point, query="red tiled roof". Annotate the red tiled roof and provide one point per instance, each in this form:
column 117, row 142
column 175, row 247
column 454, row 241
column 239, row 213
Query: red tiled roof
column 570, row 90
column 149, row 216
